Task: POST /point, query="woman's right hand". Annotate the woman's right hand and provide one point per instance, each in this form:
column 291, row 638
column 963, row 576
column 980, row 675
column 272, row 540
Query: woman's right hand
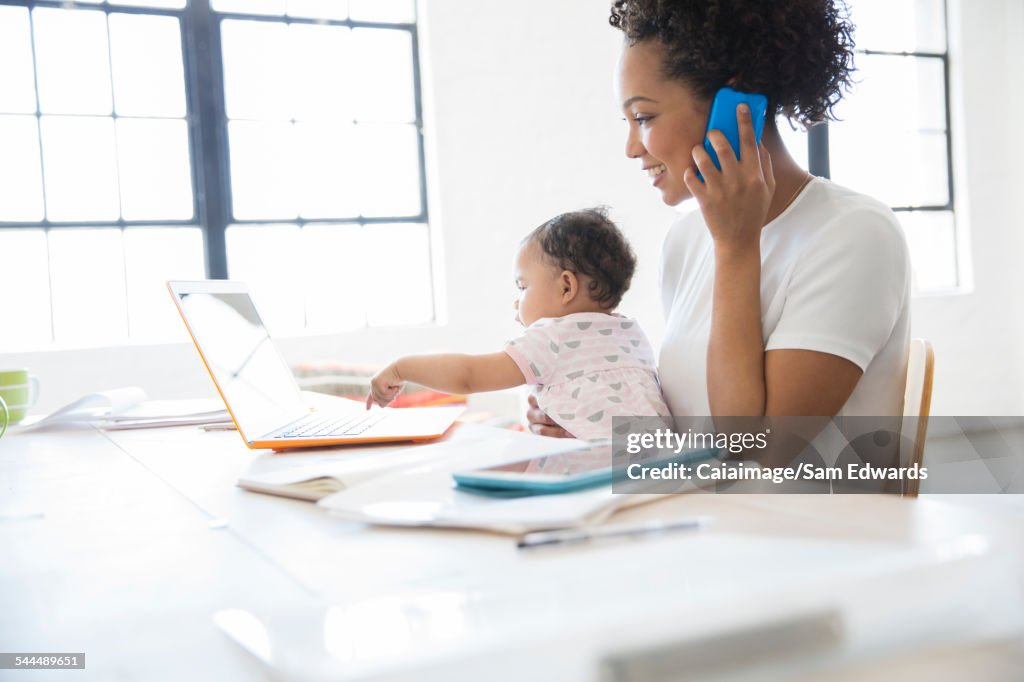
column 541, row 423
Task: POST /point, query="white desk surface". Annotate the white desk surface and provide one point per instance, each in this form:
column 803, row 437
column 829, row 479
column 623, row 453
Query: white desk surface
column 123, row 545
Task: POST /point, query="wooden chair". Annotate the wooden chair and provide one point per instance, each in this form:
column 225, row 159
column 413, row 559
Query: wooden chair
column 917, row 402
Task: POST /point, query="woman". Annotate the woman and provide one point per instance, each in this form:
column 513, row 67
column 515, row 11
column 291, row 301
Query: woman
column 785, row 294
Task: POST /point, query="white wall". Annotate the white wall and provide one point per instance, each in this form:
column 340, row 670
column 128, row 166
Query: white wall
column 521, row 125
column 979, row 336
column 1012, row 28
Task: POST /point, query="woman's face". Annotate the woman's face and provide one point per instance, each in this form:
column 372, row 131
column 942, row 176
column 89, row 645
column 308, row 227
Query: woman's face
column 666, row 119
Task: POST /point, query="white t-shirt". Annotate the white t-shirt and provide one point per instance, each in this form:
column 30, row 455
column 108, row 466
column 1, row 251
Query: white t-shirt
column 835, row 278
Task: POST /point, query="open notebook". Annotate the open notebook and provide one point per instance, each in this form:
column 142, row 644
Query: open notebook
column 317, row 481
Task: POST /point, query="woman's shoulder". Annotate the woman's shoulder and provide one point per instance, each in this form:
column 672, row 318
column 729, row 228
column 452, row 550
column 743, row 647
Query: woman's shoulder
column 840, row 215
column 842, row 206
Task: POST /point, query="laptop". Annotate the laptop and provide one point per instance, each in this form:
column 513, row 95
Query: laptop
column 260, row 392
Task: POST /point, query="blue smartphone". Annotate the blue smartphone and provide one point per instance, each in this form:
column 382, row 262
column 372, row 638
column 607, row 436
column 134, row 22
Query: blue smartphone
column 723, row 118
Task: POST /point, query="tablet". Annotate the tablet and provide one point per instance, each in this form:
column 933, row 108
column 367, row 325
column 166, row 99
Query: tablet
column 557, row 473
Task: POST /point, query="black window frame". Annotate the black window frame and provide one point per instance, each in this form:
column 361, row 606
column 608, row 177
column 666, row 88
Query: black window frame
column 819, row 160
column 818, row 155
column 206, row 120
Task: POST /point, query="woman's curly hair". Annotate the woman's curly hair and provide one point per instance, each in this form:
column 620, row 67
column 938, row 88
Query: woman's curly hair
column 588, row 243
column 799, row 53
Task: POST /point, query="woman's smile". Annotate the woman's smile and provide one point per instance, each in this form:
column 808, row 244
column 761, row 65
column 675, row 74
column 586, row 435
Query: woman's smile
column 656, row 173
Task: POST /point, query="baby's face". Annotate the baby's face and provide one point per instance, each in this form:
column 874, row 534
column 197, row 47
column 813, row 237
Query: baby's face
column 540, row 289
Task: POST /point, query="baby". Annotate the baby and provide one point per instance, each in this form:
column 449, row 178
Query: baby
column 586, row 362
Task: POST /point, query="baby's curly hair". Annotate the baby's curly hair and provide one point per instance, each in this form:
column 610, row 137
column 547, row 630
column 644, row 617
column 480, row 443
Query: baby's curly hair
column 799, row 53
column 588, row 243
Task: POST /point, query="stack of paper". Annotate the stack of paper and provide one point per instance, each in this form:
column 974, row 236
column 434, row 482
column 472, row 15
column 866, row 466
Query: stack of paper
column 434, row 501
column 127, row 408
column 160, row 413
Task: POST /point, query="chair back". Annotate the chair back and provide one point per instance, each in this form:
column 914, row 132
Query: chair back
column 917, row 402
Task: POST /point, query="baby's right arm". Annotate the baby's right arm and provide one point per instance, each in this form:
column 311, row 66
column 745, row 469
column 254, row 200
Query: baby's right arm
column 451, row 373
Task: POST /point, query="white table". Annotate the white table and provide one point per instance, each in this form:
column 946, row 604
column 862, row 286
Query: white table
column 123, row 545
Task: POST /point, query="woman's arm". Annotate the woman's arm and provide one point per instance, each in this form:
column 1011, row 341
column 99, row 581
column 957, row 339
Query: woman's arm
column 451, row 373
column 735, row 202
column 736, row 362
column 807, row 383
column 744, row 380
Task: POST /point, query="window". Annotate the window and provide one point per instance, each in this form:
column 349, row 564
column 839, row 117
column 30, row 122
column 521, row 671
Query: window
column 892, row 140
column 273, row 141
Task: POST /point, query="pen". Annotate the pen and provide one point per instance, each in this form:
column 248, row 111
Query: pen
column 575, row 536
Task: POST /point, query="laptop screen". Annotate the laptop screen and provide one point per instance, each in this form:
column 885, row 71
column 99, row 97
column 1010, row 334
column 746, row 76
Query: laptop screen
column 253, row 378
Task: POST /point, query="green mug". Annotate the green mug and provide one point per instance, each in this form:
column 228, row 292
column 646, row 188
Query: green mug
column 19, row 391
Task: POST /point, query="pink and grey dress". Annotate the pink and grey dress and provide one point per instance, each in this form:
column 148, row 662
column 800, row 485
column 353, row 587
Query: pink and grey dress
column 588, row 368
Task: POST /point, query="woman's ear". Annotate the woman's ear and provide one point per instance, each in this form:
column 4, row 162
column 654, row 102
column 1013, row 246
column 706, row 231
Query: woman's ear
column 570, row 286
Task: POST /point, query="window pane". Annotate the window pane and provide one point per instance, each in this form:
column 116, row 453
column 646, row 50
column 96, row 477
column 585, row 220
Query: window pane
column 318, row 9
column 337, row 272
column 153, row 256
column 72, row 60
column 904, row 93
column 17, row 85
column 270, row 7
column 262, row 170
column 80, row 169
column 156, row 182
column 408, row 296
column 257, row 69
column 328, row 178
column 266, row 257
column 25, row 281
column 87, row 275
column 166, row 4
column 900, row 25
column 146, row 60
column 891, row 139
column 931, row 237
column 911, row 171
column 322, row 72
column 383, row 10
column 21, row 183
column 384, row 81
column 389, row 168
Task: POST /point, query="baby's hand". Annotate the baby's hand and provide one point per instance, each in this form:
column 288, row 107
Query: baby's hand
column 385, row 386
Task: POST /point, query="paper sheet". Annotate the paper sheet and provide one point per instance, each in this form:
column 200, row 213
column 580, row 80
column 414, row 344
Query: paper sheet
column 127, row 408
column 90, row 408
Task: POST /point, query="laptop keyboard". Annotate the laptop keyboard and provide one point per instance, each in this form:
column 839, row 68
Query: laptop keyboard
column 331, row 426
